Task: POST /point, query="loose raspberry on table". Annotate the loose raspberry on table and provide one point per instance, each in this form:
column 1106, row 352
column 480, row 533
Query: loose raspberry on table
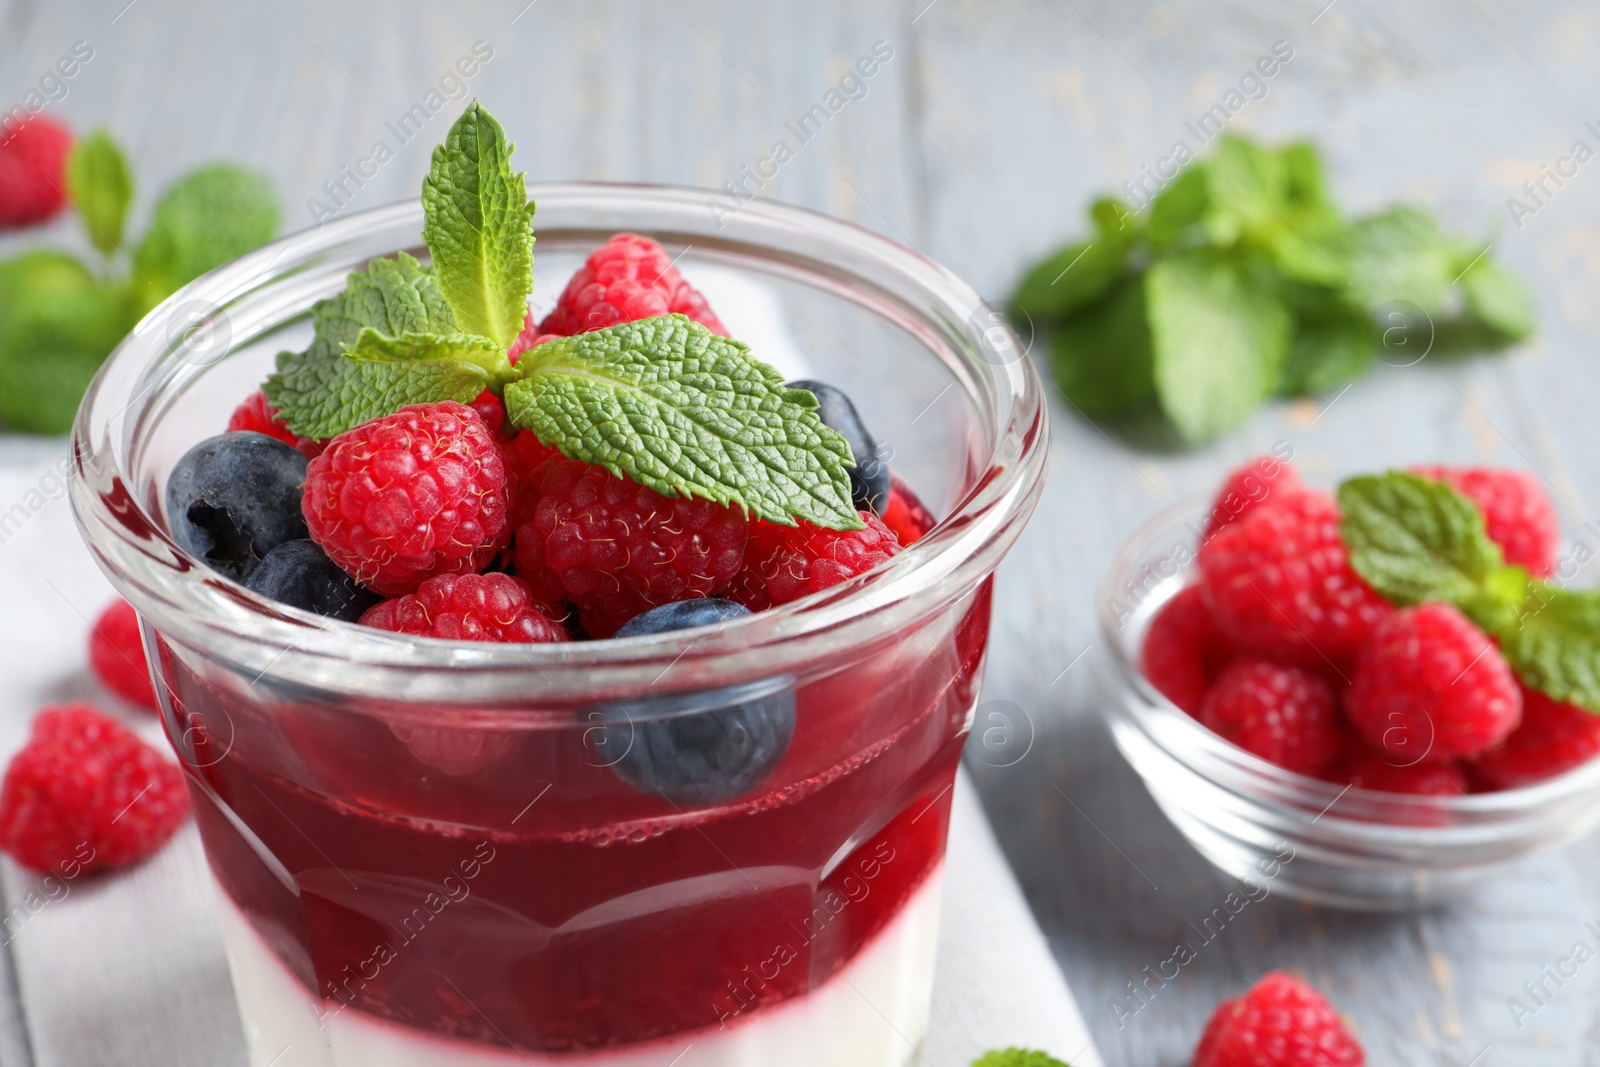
column 1280, row 1022
column 33, row 158
column 1279, row 582
column 1359, row 766
column 257, row 415
column 1285, row 714
column 116, row 655
column 626, row 279
column 905, row 514
column 785, row 563
column 1518, row 514
column 86, row 793
column 468, row 607
column 1552, row 739
column 1183, row 651
column 1431, row 687
column 1263, row 480
column 615, row 548
column 400, row 499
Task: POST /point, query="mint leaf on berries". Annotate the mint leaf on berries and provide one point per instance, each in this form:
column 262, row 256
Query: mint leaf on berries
column 674, row 407
column 1018, row 1057
column 480, row 228
column 370, row 346
column 1554, row 645
column 1415, row 539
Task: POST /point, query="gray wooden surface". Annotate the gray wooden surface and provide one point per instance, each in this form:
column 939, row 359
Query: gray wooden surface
column 979, row 143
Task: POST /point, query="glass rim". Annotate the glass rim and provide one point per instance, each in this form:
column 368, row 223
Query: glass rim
column 184, row 599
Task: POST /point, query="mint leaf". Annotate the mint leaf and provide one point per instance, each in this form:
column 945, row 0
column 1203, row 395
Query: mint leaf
column 1180, row 206
column 1219, row 339
column 214, row 215
column 1017, row 1057
column 1415, row 539
column 480, row 228
column 101, row 187
column 1554, row 644
column 1327, row 351
column 1248, row 187
column 672, row 406
column 1499, row 300
column 370, row 346
column 1101, row 355
column 1397, row 254
column 1080, row 273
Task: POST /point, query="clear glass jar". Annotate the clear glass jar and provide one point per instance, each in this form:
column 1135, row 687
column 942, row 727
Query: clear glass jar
column 436, row 854
column 1305, row 838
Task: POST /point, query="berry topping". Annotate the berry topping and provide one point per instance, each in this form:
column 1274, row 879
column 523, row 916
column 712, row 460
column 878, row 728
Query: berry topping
column 704, row 747
column 400, row 499
column 869, row 478
column 615, row 549
column 116, row 655
column 1183, row 650
column 232, row 499
column 1281, row 1022
column 1518, row 514
column 1279, row 582
column 33, row 158
column 785, row 563
column 468, row 607
column 1263, row 479
column 257, row 415
column 1431, row 687
column 86, row 793
column 1365, row 769
column 300, row 574
column 626, row 279
column 1553, row 738
column 1286, row 715
column 905, row 514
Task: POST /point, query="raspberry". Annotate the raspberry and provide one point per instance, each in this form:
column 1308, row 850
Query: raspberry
column 467, row 607
column 785, row 563
column 86, row 792
column 626, row 279
column 1285, row 714
column 616, row 549
column 400, row 499
column 1263, row 479
column 116, row 654
column 1279, row 582
column 1183, row 651
column 1553, row 738
column 531, row 335
column 1281, row 1022
column 1520, row 518
column 257, row 415
column 1365, row 769
column 33, row 157
column 1431, row 687
column 905, row 515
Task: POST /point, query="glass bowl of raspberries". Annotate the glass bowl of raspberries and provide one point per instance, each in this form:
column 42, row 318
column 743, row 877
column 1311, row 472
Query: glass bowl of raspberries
column 1374, row 699
column 574, row 667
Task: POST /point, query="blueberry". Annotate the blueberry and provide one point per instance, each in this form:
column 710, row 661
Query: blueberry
column 700, row 748
column 300, row 574
column 233, row 498
column 869, row 478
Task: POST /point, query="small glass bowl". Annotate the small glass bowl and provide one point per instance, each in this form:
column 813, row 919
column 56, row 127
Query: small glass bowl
column 1335, row 845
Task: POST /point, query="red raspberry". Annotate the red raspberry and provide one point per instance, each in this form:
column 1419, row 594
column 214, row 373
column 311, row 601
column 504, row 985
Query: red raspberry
column 402, row 498
column 905, row 515
column 1518, row 514
column 1365, row 769
column 1279, row 582
column 1431, row 687
column 531, row 335
column 467, row 607
column 1552, row 739
column 86, row 792
column 1263, row 479
column 257, row 415
column 116, row 654
column 1285, row 714
column 33, row 158
column 785, row 563
column 1281, row 1022
column 615, row 548
column 1183, row 650
column 626, row 279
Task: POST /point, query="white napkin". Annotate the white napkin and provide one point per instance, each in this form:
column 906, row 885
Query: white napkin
column 126, row 970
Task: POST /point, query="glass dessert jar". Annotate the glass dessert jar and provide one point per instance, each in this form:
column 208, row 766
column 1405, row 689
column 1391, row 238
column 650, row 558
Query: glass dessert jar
column 428, row 853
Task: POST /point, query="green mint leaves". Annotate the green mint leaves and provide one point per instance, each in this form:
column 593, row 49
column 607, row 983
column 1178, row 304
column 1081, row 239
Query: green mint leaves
column 480, row 228
column 101, row 187
column 674, row 407
column 216, row 214
column 1415, row 540
column 662, row 401
column 1017, row 1057
column 1241, row 280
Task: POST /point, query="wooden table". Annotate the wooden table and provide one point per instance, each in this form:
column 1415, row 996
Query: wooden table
column 979, row 141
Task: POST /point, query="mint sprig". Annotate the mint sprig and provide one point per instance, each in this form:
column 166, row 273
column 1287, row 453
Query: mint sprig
column 1018, row 1057
column 1415, row 540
